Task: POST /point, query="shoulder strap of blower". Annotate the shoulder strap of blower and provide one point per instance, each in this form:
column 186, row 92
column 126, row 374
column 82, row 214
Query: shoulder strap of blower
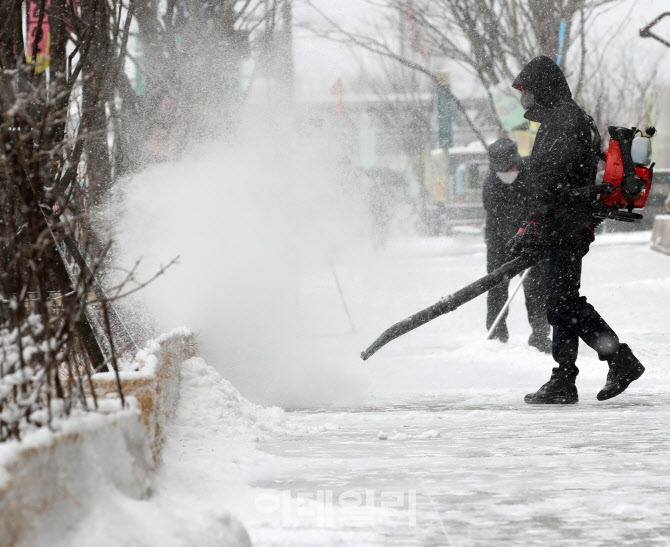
column 590, row 191
column 596, row 143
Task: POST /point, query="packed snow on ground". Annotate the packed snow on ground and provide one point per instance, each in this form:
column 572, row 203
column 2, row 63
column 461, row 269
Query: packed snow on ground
column 441, row 449
column 444, row 419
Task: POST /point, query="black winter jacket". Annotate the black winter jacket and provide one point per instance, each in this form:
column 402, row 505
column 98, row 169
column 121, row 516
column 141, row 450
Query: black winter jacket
column 562, row 158
column 506, row 206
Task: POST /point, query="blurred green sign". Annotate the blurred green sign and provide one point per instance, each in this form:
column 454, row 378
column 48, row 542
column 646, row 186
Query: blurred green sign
column 509, row 110
column 445, row 134
column 140, row 84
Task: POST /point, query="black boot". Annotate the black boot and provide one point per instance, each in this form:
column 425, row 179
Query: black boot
column 624, row 369
column 559, row 390
column 540, row 341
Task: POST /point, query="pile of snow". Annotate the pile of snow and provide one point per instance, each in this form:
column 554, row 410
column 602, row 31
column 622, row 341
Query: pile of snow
column 210, row 406
column 209, row 449
column 99, row 464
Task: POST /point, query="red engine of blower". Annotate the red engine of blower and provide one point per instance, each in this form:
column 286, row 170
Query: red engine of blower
column 630, row 176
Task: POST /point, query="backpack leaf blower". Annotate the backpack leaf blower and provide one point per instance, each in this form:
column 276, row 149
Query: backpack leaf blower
column 628, row 174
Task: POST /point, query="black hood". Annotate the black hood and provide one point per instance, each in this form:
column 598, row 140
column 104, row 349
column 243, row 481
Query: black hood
column 545, row 79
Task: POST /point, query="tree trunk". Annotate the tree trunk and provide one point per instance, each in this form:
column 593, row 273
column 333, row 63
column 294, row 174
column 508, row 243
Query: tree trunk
column 96, row 91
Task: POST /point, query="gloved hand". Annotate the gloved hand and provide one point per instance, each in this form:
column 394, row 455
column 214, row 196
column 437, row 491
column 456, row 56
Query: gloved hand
column 526, row 240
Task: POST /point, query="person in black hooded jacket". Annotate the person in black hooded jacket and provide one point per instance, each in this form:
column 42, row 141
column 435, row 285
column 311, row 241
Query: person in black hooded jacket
column 505, row 196
column 560, row 229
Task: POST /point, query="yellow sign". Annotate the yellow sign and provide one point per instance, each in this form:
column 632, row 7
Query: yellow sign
column 435, row 174
column 525, row 139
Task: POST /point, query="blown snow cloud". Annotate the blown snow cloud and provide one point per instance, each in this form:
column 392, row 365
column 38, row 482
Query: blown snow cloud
column 255, row 224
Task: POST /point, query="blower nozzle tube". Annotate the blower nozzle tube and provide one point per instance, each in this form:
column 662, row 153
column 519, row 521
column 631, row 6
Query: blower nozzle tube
column 451, row 302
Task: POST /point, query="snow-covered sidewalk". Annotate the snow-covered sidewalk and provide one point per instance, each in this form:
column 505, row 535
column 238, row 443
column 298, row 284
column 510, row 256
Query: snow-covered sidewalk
column 444, row 427
column 440, row 448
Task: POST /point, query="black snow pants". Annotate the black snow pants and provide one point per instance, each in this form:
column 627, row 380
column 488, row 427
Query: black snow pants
column 570, row 315
column 533, row 288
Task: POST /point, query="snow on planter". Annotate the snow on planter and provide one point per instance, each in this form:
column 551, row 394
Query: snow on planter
column 50, row 475
column 153, row 379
